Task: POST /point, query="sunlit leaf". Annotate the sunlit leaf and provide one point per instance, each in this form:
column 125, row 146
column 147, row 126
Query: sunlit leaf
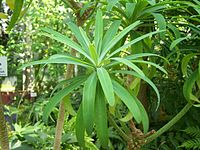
column 16, row 13
column 130, row 64
column 98, row 35
column 106, row 85
column 64, row 39
column 3, row 16
column 110, row 33
column 89, row 92
column 117, row 38
column 75, row 30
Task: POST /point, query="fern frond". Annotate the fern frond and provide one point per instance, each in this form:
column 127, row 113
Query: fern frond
column 193, row 131
column 192, row 144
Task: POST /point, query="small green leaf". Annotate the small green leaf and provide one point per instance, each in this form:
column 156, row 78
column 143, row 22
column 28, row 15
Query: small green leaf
column 185, row 61
column 175, row 30
column 68, row 105
column 128, row 99
column 106, row 85
column 3, row 16
column 93, row 53
column 188, row 87
column 128, row 117
column 58, row 97
column 101, row 118
column 11, row 4
column 152, row 2
column 177, row 41
column 16, row 13
column 89, row 92
column 161, row 23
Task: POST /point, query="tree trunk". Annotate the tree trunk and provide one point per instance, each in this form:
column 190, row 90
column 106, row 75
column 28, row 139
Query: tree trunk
column 4, row 143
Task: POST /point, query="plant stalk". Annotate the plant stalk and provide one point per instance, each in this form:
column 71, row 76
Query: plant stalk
column 170, row 123
column 69, row 74
column 121, row 133
column 4, row 142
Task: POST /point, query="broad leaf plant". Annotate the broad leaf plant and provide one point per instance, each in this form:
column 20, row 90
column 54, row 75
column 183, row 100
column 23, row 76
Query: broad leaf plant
column 102, row 85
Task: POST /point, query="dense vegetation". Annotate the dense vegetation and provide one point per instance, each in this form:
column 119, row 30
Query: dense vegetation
column 108, row 74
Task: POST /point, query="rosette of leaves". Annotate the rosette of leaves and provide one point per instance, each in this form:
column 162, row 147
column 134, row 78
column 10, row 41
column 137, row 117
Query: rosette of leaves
column 101, row 85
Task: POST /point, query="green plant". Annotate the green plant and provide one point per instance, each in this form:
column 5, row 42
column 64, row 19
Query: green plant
column 194, row 141
column 104, row 63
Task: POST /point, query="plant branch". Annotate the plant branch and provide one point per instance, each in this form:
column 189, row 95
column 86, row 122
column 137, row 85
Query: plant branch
column 170, row 123
column 121, row 133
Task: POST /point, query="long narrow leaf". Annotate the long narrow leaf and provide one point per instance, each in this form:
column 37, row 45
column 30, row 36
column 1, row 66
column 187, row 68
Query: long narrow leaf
column 150, row 63
column 75, row 30
column 56, row 61
column 89, row 92
column 110, row 33
column 135, row 56
column 80, row 128
column 64, row 83
column 98, row 30
column 177, row 41
column 161, row 23
column 58, row 97
column 117, row 38
column 188, row 87
column 101, row 118
column 106, row 85
column 128, row 100
column 185, row 61
column 64, row 39
column 129, row 64
column 133, row 42
column 145, row 118
column 143, row 78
